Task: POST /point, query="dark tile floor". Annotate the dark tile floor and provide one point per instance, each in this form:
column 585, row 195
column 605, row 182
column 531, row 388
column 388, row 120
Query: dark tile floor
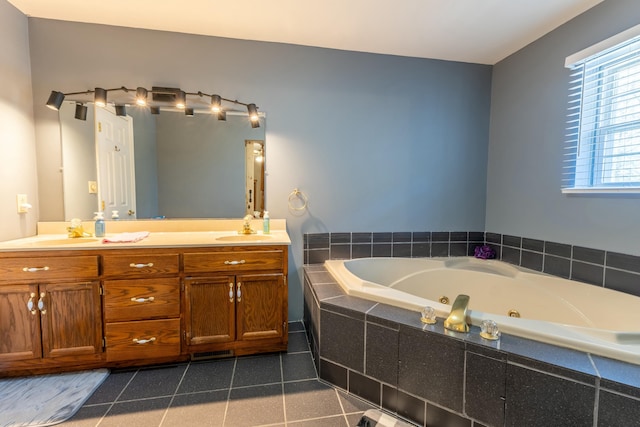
column 266, row 390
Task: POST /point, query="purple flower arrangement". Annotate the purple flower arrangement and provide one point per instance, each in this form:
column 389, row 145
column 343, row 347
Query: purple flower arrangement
column 484, row 252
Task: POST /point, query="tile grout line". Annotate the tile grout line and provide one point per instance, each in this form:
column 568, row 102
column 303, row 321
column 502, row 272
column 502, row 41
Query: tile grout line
column 344, row 414
column 117, row 397
column 173, row 396
column 226, row 407
column 284, row 403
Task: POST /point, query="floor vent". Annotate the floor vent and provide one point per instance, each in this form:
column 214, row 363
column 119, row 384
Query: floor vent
column 211, row 355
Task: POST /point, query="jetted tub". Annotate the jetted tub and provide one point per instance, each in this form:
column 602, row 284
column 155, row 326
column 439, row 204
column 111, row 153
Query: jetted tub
column 553, row 310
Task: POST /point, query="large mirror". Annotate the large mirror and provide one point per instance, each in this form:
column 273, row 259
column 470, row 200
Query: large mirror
column 166, row 165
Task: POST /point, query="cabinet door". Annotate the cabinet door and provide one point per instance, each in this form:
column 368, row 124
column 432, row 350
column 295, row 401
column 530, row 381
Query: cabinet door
column 19, row 323
column 260, row 306
column 70, row 318
column 210, row 310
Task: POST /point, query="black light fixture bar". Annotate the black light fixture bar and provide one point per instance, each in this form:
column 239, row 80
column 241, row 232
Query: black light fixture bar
column 174, row 97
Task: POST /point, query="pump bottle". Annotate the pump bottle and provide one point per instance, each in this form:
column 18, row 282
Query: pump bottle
column 266, row 226
column 99, row 225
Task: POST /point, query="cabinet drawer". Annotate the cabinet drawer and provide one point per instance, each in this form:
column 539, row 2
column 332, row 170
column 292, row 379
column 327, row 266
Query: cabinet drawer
column 140, row 265
column 40, row 269
column 233, row 262
column 146, row 339
column 141, row 299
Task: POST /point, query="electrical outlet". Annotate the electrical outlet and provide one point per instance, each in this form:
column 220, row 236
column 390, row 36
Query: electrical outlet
column 23, row 205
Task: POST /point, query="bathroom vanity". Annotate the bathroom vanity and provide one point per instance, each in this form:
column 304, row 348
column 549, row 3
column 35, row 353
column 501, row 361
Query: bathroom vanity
column 195, row 289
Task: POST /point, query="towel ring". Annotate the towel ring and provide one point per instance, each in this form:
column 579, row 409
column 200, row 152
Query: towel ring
column 297, row 195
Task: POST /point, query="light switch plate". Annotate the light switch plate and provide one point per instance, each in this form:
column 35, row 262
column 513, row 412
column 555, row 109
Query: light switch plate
column 93, row 187
column 21, row 200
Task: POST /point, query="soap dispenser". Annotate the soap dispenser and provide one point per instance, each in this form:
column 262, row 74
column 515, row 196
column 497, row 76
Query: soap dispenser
column 99, row 226
column 266, row 226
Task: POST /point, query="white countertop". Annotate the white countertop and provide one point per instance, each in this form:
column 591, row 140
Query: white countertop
column 162, row 234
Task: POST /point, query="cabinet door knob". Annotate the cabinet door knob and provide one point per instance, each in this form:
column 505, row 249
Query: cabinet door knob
column 239, row 293
column 234, row 262
column 133, row 265
column 142, row 299
column 31, row 304
column 41, row 307
column 230, row 292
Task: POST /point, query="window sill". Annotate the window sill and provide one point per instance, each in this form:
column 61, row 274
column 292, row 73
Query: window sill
column 602, row 190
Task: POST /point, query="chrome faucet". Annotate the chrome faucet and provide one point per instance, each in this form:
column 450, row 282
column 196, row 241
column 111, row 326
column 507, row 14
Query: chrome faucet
column 246, row 226
column 457, row 319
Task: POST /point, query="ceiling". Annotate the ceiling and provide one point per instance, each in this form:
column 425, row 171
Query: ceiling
column 477, row 31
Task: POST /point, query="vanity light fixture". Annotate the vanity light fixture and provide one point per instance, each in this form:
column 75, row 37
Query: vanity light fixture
column 141, row 96
column 170, row 98
column 55, row 100
column 100, row 97
column 181, row 99
column 81, row 112
column 216, row 103
column 253, row 115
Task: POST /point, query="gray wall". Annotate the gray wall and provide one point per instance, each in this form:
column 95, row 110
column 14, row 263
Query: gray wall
column 201, row 165
column 377, row 143
column 17, row 140
column 79, row 162
column 528, row 113
column 146, row 163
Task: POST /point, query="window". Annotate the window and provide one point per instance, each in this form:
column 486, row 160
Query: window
column 603, row 131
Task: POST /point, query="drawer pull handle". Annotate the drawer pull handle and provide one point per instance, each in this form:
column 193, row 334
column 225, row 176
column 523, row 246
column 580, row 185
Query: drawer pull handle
column 132, row 265
column 141, row 299
column 239, row 293
column 41, row 307
column 230, row 292
column 235, row 262
column 35, row 269
column 31, row 304
column 137, row 341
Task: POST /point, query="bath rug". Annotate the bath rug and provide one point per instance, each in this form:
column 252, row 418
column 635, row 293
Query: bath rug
column 376, row 418
column 44, row 400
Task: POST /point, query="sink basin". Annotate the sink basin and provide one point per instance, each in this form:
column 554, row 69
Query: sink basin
column 64, row 242
column 244, row 238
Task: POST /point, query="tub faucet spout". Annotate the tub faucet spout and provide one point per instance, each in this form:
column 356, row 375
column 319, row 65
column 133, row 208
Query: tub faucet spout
column 457, row 319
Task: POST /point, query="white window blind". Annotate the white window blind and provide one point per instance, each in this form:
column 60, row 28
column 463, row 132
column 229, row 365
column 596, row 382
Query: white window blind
column 603, row 127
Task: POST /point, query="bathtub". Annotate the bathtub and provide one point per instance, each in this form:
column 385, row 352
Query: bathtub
column 553, row 310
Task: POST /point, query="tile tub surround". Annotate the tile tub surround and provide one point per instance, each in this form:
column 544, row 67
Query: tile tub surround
column 386, row 355
column 597, row 267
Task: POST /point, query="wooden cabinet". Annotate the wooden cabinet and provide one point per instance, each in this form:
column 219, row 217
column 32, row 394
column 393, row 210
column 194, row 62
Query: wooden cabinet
column 236, row 300
column 49, row 311
column 141, row 306
column 210, row 310
column 260, row 310
column 19, row 323
column 82, row 309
